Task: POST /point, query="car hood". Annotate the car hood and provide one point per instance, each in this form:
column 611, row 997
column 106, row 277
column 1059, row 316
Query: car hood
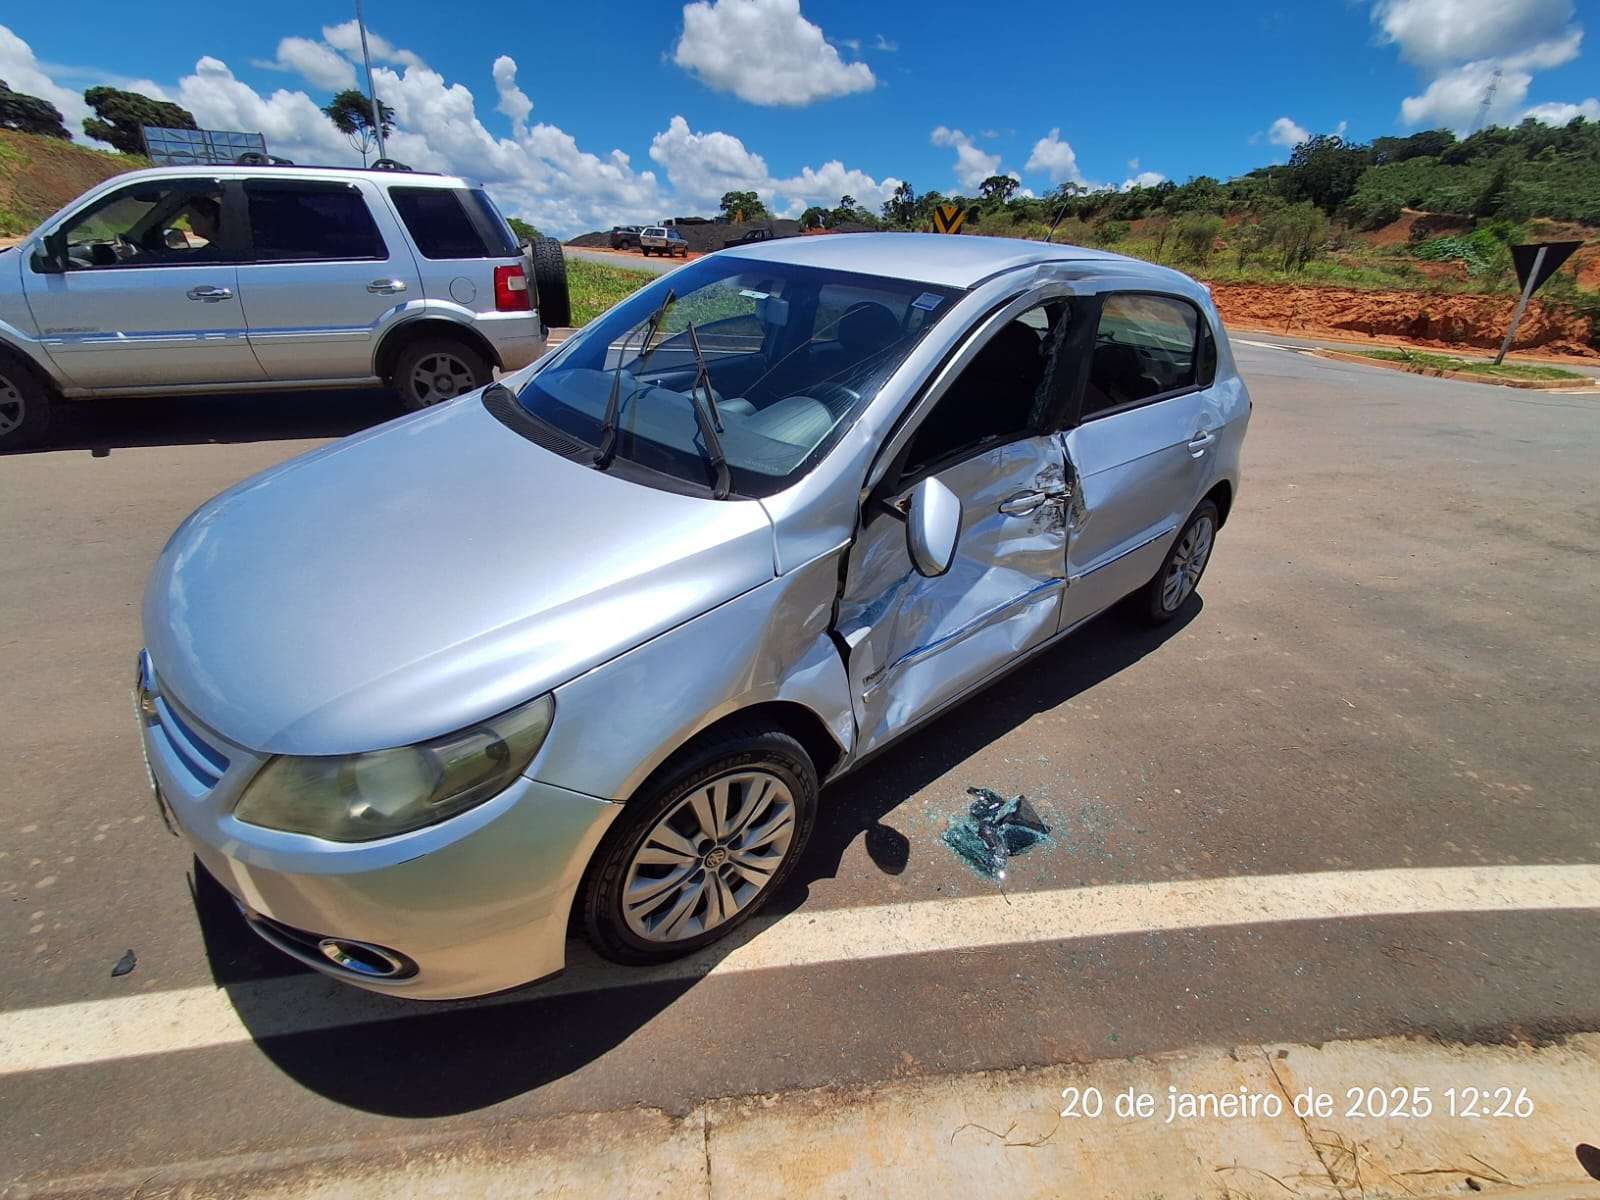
column 423, row 575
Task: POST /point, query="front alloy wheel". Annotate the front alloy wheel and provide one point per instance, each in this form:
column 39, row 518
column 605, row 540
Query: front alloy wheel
column 708, row 858
column 703, row 844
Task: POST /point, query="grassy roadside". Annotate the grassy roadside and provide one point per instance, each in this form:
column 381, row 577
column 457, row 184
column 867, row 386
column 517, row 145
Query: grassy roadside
column 595, row 287
column 1420, row 362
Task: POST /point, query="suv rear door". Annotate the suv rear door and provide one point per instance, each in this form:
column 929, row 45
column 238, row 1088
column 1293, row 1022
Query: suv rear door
column 327, row 269
column 146, row 298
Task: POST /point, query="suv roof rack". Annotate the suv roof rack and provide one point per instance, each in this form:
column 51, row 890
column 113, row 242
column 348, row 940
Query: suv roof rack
column 255, row 158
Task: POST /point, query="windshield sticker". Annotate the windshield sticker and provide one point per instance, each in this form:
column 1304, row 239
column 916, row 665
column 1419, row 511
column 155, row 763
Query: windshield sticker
column 928, row 301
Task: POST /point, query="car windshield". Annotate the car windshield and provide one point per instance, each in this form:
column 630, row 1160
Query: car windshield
column 793, row 355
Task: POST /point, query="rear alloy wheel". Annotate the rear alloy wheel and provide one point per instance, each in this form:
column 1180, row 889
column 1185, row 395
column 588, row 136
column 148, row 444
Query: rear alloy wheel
column 24, row 408
column 433, row 370
column 1179, row 575
column 698, row 852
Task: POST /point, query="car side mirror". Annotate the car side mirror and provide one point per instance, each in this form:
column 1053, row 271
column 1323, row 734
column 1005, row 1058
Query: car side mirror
column 933, row 526
column 52, row 260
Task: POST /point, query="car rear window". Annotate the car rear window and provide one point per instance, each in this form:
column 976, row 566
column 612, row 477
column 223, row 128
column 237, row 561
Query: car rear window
column 453, row 223
column 299, row 221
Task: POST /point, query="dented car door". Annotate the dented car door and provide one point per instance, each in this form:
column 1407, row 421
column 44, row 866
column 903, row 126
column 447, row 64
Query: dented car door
column 916, row 643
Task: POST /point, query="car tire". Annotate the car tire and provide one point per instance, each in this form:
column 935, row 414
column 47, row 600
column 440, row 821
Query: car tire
column 771, row 779
column 1160, row 600
column 25, row 406
column 550, row 282
column 437, row 359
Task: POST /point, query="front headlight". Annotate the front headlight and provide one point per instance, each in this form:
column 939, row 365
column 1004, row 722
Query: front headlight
column 360, row 797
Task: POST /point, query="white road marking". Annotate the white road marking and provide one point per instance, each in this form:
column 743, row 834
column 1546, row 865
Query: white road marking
column 1239, row 341
column 94, row 1031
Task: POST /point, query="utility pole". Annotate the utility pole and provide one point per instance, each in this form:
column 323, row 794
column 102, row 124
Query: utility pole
column 372, row 92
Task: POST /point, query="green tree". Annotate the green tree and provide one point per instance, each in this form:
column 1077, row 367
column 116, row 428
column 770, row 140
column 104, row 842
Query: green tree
column 119, row 115
column 30, row 114
column 351, row 114
column 1297, row 233
column 744, row 206
column 1197, row 235
column 901, row 208
column 814, row 217
column 997, row 189
column 525, row 233
column 1324, row 169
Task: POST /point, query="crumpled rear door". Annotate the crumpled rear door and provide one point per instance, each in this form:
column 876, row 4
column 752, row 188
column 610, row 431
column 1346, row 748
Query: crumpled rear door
column 916, row 643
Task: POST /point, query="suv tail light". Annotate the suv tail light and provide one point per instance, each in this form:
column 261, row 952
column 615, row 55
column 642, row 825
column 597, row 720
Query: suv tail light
column 511, row 290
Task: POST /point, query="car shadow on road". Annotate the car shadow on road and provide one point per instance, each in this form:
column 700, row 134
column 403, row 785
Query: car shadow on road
column 458, row 1058
column 102, row 426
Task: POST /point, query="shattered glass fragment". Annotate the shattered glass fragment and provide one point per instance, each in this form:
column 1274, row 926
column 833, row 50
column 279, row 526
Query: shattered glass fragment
column 993, row 831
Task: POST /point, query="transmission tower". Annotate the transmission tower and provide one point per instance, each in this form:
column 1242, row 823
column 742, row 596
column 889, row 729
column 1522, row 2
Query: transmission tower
column 1488, row 101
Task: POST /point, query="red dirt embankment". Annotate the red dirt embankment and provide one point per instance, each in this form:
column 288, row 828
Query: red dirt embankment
column 1418, row 318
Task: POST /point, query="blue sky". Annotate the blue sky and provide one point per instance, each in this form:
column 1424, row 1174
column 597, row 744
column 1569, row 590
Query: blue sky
column 769, row 93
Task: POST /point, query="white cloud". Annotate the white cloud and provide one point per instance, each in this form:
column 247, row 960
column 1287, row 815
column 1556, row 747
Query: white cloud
column 1559, row 113
column 294, row 125
column 514, row 101
column 318, row 63
column 1465, row 47
column 24, row 73
column 765, row 52
column 346, row 37
column 702, row 166
column 1144, row 179
column 1055, row 158
column 1434, row 34
column 1287, row 133
column 884, row 44
column 973, row 166
column 1454, row 99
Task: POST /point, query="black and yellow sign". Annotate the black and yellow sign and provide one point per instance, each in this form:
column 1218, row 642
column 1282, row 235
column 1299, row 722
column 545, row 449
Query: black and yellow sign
column 948, row 218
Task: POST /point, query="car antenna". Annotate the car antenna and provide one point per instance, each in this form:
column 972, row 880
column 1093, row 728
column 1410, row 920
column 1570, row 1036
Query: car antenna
column 1059, row 214
column 608, row 435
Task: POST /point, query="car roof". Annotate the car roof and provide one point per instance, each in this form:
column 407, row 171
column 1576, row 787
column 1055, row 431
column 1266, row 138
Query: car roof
column 930, row 257
column 295, row 171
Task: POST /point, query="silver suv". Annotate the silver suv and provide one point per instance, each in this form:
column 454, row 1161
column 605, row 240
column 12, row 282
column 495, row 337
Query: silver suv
column 244, row 278
column 758, row 521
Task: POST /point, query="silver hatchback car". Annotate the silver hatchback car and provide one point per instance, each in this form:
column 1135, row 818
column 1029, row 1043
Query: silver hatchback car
column 589, row 642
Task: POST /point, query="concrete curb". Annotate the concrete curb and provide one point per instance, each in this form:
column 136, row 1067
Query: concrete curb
column 1003, row 1133
column 1431, row 373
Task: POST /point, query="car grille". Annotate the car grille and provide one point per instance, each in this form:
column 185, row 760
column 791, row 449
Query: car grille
column 203, row 763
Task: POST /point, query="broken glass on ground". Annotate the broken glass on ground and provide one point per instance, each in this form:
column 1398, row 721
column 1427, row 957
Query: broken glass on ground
column 993, row 831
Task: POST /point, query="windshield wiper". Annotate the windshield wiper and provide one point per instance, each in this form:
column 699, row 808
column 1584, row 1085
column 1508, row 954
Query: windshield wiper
column 709, row 420
column 613, row 418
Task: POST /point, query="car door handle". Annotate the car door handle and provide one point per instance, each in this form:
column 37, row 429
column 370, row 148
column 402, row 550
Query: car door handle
column 1022, row 503
column 386, row 287
column 210, row 294
column 1201, row 442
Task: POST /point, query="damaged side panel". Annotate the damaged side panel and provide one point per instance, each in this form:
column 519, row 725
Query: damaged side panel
column 915, row 642
column 770, row 644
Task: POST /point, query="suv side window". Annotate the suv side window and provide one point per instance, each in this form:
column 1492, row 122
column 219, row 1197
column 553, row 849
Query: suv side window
column 1146, row 346
column 438, row 223
column 308, row 221
column 1000, row 395
column 163, row 223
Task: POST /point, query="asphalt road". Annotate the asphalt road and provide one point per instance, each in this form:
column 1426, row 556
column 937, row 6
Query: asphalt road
column 1391, row 665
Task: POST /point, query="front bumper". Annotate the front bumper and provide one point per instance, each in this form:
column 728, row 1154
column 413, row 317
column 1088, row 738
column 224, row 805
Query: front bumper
column 478, row 903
